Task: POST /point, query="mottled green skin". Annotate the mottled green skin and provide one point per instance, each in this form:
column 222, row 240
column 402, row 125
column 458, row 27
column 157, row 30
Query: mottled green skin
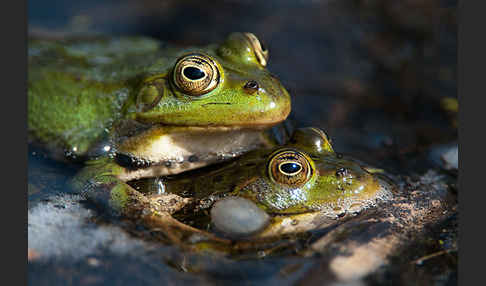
column 79, row 89
column 248, row 177
column 76, row 91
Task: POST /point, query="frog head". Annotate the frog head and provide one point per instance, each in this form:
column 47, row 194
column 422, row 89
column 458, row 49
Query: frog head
column 306, row 175
column 218, row 85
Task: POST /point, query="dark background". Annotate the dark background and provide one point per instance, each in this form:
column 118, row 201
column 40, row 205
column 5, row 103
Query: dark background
column 371, row 73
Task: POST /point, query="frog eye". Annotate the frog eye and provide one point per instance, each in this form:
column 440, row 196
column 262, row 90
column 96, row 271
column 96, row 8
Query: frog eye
column 290, row 168
column 261, row 52
column 196, row 74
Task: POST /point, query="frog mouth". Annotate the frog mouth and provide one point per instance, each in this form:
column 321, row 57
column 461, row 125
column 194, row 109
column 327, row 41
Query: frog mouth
column 252, row 122
column 220, row 128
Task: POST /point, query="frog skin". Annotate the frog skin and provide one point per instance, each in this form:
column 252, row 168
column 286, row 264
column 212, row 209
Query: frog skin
column 289, row 182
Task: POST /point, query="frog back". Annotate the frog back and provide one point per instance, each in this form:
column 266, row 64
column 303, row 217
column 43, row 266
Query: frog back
column 77, row 88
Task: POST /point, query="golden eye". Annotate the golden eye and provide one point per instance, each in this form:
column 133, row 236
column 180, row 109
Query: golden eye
column 261, row 52
column 196, row 74
column 290, row 168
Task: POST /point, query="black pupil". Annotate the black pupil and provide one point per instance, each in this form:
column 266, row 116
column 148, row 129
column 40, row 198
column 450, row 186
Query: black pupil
column 290, row 168
column 193, row 73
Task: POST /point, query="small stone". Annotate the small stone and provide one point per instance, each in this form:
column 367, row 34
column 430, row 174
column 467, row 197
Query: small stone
column 238, row 217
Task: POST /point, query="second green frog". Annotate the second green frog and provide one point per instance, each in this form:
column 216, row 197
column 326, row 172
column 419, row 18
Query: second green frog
column 281, row 189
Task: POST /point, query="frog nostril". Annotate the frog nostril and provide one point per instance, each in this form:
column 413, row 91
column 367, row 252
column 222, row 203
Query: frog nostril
column 251, row 86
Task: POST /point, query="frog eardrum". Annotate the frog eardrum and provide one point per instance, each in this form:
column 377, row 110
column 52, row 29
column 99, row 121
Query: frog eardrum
column 150, row 95
column 290, row 168
column 196, row 74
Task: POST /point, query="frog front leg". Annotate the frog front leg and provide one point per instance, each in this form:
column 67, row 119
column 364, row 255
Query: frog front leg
column 98, row 181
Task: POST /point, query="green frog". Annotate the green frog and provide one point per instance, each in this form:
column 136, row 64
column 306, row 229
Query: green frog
column 132, row 107
column 279, row 190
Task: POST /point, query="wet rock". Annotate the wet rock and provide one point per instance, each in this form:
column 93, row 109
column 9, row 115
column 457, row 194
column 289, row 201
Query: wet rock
column 238, row 217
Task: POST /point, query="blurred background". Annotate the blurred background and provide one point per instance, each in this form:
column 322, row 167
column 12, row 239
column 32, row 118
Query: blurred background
column 379, row 76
